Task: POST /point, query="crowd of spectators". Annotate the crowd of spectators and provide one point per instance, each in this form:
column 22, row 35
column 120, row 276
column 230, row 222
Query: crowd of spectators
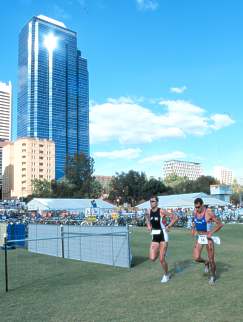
column 16, row 212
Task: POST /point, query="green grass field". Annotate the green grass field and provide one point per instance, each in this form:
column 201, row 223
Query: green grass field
column 43, row 288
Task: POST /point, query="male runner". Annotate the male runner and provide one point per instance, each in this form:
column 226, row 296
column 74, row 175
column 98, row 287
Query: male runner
column 156, row 224
column 203, row 217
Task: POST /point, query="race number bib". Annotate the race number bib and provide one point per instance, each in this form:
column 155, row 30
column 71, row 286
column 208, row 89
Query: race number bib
column 202, row 239
column 155, row 232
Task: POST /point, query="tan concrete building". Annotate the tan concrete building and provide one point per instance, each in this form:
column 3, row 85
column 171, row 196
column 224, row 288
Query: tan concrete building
column 5, row 120
column 24, row 160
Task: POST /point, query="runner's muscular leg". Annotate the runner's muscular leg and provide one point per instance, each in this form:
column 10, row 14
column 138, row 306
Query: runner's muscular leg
column 210, row 250
column 154, row 251
column 162, row 252
column 197, row 250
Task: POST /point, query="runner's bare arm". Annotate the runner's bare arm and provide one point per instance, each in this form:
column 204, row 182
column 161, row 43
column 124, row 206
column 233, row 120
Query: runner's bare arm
column 193, row 230
column 147, row 219
column 210, row 216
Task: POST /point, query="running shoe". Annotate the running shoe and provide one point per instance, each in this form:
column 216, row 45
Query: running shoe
column 165, row 278
column 212, row 280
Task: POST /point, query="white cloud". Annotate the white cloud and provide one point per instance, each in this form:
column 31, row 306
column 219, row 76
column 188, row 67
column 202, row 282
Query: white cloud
column 147, row 4
column 189, row 118
column 120, row 100
column 220, row 121
column 162, row 157
column 119, row 154
column 127, row 99
column 178, row 90
column 129, row 122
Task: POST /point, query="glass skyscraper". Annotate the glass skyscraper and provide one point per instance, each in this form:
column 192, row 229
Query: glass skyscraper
column 53, row 92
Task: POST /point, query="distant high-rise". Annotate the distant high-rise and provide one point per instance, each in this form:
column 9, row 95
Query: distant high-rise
column 5, row 120
column 53, row 95
column 223, row 175
column 191, row 170
column 5, row 110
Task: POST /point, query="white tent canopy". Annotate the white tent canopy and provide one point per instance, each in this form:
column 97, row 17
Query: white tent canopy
column 48, row 204
column 184, row 201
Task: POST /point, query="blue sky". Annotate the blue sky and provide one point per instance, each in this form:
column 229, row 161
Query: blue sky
column 166, row 77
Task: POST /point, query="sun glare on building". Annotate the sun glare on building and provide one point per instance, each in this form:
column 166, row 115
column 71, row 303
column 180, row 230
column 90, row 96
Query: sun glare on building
column 50, row 42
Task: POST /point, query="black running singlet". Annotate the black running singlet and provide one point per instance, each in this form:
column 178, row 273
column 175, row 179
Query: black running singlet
column 155, row 219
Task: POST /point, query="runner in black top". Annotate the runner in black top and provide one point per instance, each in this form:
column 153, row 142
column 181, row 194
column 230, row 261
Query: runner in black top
column 156, row 224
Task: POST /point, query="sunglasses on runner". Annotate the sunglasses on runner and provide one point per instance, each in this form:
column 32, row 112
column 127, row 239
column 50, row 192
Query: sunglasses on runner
column 153, row 200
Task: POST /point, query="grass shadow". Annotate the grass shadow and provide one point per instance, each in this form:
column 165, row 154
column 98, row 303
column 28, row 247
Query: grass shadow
column 222, row 267
column 181, row 266
column 137, row 260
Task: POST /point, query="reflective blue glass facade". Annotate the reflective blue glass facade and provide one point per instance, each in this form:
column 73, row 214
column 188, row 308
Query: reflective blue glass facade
column 83, row 102
column 53, row 95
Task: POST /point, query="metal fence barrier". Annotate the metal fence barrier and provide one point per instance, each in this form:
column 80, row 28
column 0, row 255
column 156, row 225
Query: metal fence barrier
column 105, row 245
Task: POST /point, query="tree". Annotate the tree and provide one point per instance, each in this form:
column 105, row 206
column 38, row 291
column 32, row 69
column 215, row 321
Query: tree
column 237, row 190
column 41, row 188
column 178, row 184
column 62, row 189
column 235, row 198
column 203, row 183
column 174, row 180
column 128, row 187
column 155, row 187
column 78, row 172
column 95, row 189
column 184, row 185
